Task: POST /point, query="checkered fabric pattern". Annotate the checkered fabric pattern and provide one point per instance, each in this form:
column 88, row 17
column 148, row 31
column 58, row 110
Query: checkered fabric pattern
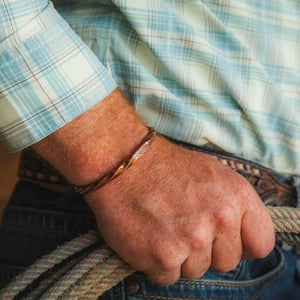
column 217, row 72
column 48, row 76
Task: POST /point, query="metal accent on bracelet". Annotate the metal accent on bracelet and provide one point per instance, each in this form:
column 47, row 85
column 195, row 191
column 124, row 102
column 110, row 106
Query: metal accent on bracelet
column 127, row 163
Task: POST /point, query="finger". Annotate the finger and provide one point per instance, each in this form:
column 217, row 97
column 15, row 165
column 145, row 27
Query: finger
column 165, row 278
column 227, row 247
column 257, row 233
column 196, row 264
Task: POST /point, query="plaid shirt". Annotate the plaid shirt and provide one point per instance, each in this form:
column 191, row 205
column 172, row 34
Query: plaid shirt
column 220, row 73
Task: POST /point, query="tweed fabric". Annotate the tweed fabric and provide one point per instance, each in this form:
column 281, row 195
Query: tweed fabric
column 225, row 73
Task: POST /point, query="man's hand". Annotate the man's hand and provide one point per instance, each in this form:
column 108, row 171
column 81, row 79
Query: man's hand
column 179, row 212
column 175, row 212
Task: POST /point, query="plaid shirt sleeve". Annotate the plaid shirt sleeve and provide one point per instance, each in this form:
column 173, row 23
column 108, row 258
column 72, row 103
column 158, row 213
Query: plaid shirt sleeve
column 48, row 76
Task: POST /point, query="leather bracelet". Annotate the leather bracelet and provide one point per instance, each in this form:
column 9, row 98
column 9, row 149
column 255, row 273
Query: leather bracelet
column 127, row 163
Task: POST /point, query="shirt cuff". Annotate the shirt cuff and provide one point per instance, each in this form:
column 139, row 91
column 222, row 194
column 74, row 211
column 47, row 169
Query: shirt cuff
column 48, row 77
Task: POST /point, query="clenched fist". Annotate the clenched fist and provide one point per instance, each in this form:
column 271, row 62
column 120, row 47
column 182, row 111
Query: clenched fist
column 178, row 212
column 175, row 212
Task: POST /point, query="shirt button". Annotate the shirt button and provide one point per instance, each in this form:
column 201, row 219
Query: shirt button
column 132, row 287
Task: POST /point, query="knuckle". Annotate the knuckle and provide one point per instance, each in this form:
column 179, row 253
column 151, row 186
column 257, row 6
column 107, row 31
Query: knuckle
column 197, row 241
column 167, row 262
column 224, row 217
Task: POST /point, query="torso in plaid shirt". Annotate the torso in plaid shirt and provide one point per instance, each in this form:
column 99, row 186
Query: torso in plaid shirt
column 224, row 73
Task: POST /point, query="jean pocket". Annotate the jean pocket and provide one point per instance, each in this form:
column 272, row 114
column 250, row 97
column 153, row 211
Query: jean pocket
column 246, row 281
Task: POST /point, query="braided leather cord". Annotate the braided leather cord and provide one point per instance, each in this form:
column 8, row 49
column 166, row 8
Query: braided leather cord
column 126, row 164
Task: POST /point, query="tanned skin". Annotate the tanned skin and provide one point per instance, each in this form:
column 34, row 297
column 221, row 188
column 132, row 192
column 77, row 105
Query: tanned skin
column 174, row 213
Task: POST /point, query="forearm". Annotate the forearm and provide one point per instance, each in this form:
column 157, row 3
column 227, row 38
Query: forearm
column 96, row 141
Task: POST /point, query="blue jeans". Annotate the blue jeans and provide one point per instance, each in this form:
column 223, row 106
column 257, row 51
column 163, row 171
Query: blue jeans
column 37, row 220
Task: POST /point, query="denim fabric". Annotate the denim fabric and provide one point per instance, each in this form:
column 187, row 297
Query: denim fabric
column 37, row 220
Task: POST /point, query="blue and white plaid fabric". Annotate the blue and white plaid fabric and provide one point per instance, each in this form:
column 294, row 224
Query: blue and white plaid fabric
column 48, row 76
column 222, row 72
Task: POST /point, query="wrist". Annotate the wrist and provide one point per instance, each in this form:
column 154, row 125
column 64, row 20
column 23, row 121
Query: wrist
column 95, row 142
column 137, row 179
column 129, row 161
